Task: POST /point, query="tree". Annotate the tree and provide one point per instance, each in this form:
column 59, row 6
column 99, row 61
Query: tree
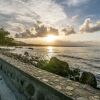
column 5, row 39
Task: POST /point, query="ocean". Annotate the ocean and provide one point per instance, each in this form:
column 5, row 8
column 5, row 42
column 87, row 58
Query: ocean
column 84, row 58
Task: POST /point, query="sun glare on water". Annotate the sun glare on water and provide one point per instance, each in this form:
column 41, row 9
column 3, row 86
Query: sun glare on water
column 51, row 38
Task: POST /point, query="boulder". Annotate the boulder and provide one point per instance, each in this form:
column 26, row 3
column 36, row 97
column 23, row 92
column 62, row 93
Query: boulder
column 88, row 78
column 58, row 67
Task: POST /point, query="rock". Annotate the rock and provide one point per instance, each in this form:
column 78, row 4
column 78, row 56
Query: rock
column 75, row 74
column 26, row 53
column 57, row 66
column 30, row 48
column 69, row 88
column 82, row 98
column 41, row 63
column 58, row 87
column 77, row 78
column 88, row 78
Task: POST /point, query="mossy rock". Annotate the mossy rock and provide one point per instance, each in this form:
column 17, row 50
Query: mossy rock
column 88, row 78
column 57, row 66
column 42, row 63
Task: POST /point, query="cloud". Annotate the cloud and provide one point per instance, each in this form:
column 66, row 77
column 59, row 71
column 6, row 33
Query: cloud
column 38, row 31
column 53, row 31
column 27, row 12
column 15, row 27
column 69, row 30
column 41, row 31
column 72, row 2
column 76, row 2
column 89, row 27
column 48, row 10
column 26, row 34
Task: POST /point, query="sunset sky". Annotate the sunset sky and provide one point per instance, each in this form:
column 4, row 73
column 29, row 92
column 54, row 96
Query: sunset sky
column 37, row 20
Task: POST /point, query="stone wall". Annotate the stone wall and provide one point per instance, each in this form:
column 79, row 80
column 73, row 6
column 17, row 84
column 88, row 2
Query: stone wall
column 37, row 84
column 32, row 88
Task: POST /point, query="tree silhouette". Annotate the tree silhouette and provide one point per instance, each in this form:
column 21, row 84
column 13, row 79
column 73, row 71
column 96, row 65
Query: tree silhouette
column 5, row 39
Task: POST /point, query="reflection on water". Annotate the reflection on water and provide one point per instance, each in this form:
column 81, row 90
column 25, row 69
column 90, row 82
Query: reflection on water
column 50, row 51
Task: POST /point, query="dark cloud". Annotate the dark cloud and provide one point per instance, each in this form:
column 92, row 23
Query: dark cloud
column 38, row 31
column 41, row 31
column 26, row 34
column 69, row 30
column 53, row 31
column 89, row 27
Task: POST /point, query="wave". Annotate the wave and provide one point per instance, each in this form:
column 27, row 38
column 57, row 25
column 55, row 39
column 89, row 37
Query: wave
column 80, row 58
column 91, row 65
column 73, row 57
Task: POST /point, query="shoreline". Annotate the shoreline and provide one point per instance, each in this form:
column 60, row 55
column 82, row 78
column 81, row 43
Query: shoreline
column 29, row 61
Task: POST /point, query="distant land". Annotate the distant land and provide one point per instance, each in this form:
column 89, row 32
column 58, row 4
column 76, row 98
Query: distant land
column 64, row 44
column 6, row 40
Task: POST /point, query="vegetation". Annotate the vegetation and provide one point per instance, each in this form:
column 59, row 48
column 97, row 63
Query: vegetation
column 54, row 66
column 5, row 39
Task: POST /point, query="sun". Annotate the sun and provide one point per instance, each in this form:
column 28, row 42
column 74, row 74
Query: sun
column 51, row 38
